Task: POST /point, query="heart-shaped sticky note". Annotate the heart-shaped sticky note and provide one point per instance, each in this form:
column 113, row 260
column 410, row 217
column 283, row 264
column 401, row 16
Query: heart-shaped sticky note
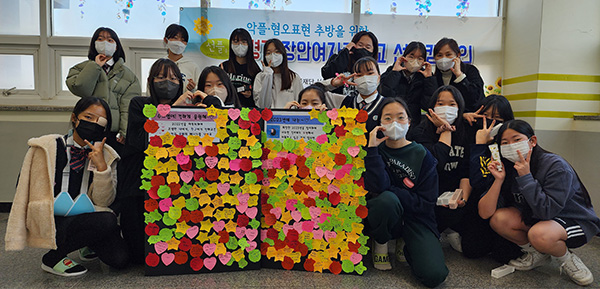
column 163, row 109
column 353, row 151
column 209, row 249
column 210, row 263
column 332, row 114
column 211, row 162
column 321, row 171
column 160, row 247
column 224, row 258
column 192, row 231
column 223, row 188
column 233, row 113
column 167, row 258
column 240, row 232
column 251, row 212
column 186, row 176
column 218, row 225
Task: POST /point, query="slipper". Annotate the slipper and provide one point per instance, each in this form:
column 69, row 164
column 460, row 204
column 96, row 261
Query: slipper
column 65, row 267
column 86, row 254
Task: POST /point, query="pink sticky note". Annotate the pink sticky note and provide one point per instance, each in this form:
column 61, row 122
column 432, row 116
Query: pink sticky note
column 209, row 249
column 233, row 113
column 163, row 109
column 240, row 232
column 321, row 171
column 199, row 150
column 330, row 235
column 353, row 151
column 224, row 258
column 211, row 162
column 339, row 174
column 277, row 162
column 318, row 234
column 290, row 203
column 286, row 228
column 356, row 258
column 266, row 164
column 266, row 182
column 160, row 247
column 234, row 165
column 297, row 216
column 314, row 212
column 263, row 235
column 165, row 204
column 251, row 234
column 330, row 175
column 307, row 226
column 251, row 212
column 182, row 159
column 312, row 194
column 218, row 225
column 298, row 227
column 192, row 231
column 242, row 207
column 276, row 212
column 307, row 152
column 332, row 189
column 292, row 157
column 167, row 258
column 223, row 188
column 323, row 217
column 322, row 139
column 251, row 246
column 243, row 198
column 210, row 263
column 186, row 176
column 332, row 114
column 282, row 154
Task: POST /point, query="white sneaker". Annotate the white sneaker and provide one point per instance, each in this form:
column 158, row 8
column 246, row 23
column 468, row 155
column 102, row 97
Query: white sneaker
column 381, row 258
column 452, row 238
column 530, row 260
column 577, row 271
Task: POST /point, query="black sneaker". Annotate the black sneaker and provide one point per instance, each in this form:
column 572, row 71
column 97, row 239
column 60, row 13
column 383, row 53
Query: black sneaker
column 65, row 267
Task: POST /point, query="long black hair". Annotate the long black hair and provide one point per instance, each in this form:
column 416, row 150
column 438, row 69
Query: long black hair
column 499, row 104
column 537, row 152
column 119, row 53
column 416, row 45
column 88, row 101
column 232, row 96
column 163, row 66
column 458, row 123
column 287, row 75
column 242, row 34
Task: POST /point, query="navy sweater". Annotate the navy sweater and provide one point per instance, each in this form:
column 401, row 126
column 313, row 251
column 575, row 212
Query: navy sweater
column 471, row 87
column 419, row 200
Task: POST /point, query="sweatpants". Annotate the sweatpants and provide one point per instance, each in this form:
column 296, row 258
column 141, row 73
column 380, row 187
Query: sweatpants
column 422, row 248
column 98, row 231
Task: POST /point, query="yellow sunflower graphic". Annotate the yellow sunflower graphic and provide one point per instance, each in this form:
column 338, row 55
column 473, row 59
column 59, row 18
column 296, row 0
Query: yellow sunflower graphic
column 202, row 26
column 499, row 82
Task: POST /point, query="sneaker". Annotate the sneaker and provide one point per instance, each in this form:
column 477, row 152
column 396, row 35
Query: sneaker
column 86, row 254
column 400, row 250
column 577, row 271
column 381, row 258
column 454, row 239
column 65, row 267
column 530, row 260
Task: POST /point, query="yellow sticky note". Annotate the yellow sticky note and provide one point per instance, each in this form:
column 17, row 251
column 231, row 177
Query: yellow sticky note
column 206, row 225
column 171, row 165
column 172, row 177
column 195, row 193
column 173, row 151
column 314, row 113
column 207, row 140
column 295, row 256
column 278, row 226
column 211, row 189
column 235, row 179
column 202, row 237
column 224, row 177
column 229, row 199
column 167, row 138
column 286, row 217
column 208, row 211
column 213, row 238
column 180, row 202
column 203, row 199
column 161, row 168
column 244, row 152
column 212, row 111
column 230, row 226
column 243, row 134
column 219, row 215
column 181, row 227
column 253, row 200
column 238, row 254
column 271, row 252
column 173, row 244
column 279, row 255
column 151, row 151
column 220, row 250
column 223, row 163
column 193, row 140
column 217, row 202
column 188, row 150
column 337, row 121
column 229, row 213
column 251, row 141
column 280, row 173
column 221, row 121
column 162, row 153
column 222, row 133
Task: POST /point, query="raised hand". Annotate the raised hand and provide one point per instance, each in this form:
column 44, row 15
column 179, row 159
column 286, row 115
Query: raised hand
column 96, row 156
column 373, row 140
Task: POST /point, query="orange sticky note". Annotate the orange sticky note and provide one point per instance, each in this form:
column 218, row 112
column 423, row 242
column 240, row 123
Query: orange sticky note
column 173, row 244
column 207, row 140
column 173, row 177
column 230, row 226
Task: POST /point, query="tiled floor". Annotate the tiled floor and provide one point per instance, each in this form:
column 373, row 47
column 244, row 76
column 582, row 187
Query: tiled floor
column 22, row 270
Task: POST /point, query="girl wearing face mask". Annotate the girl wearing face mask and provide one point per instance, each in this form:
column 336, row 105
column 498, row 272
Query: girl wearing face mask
column 276, row 85
column 215, row 82
column 539, row 203
column 311, row 97
column 176, row 39
column 402, row 182
column 105, row 75
column 450, row 70
column 165, row 84
column 443, row 134
column 364, row 43
column 410, row 78
column 80, row 166
column 241, row 67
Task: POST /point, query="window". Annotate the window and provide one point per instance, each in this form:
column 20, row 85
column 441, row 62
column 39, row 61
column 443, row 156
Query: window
column 480, row 8
column 332, row 6
column 20, row 17
column 66, row 62
column 16, row 71
column 146, row 64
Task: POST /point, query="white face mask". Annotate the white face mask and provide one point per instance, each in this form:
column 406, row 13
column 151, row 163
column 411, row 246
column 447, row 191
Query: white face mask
column 446, row 112
column 367, row 84
column 106, row 48
column 275, row 59
column 307, row 107
column 240, row 50
column 220, row 92
column 177, row 47
column 413, row 65
column 395, row 131
column 444, row 64
column 509, row 151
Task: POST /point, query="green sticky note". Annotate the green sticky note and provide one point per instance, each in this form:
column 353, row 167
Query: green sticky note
column 150, row 162
column 232, row 244
column 236, row 189
column 272, row 200
column 305, row 214
column 347, row 226
column 164, row 191
column 231, row 261
column 313, row 145
column 192, row 204
column 360, row 268
column 299, row 206
column 233, row 127
column 242, row 263
column 149, row 110
column 362, row 154
column 363, row 250
column 185, row 189
column 309, row 162
column 277, row 145
column 254, row 224
column 363, row 240
column 326, row 226
column 244, row 113
column 269, row 241
column 254, row 255
column 165, row 234
column 168, row 220
column 201, row 184
column 178, row 235
column 243, row 243
column 282, row 187
column 156, row 216
column 308, row 243
column 147, row 174
column 327, row 128
column 153, row 239
column 148, row 218
column 347, row 266
column 263, row 137
column 146, row 185
column 281, row 236
column 234, row 143
column 332, row 138
column 349, row 142
column 290, row 144
column 232, row 154
column 200, row 163
column 362, row 201
column 174, row 212
column 250, row 178
column 256, row 163
column 357, row 131
column 323, row 117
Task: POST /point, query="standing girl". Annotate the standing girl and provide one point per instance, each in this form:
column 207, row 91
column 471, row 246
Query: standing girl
column 105, row 75
column 214, row 81
column 403, row 186
column 81, row 165
column 176, row 39
column 538, row 202
column 276, row 85
column 241, row 67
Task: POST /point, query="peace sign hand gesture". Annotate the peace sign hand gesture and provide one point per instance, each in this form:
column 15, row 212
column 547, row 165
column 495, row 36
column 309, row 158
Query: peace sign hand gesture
column 483, row 135
column 96, row 156
column 522, row 165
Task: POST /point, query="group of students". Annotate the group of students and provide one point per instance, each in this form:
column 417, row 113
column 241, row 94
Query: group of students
column 522, row 209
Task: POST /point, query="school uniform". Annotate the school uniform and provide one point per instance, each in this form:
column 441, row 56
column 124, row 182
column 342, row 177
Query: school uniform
column 470, row 84
column 339, row 64
column 371, row 104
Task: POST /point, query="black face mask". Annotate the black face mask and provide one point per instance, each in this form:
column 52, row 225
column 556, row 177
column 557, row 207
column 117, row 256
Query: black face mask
column 479, row 123
column 90, row 131
column 166, row 89
column 358, row 53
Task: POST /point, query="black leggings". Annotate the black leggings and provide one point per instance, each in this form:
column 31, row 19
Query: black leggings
column 98, row 231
